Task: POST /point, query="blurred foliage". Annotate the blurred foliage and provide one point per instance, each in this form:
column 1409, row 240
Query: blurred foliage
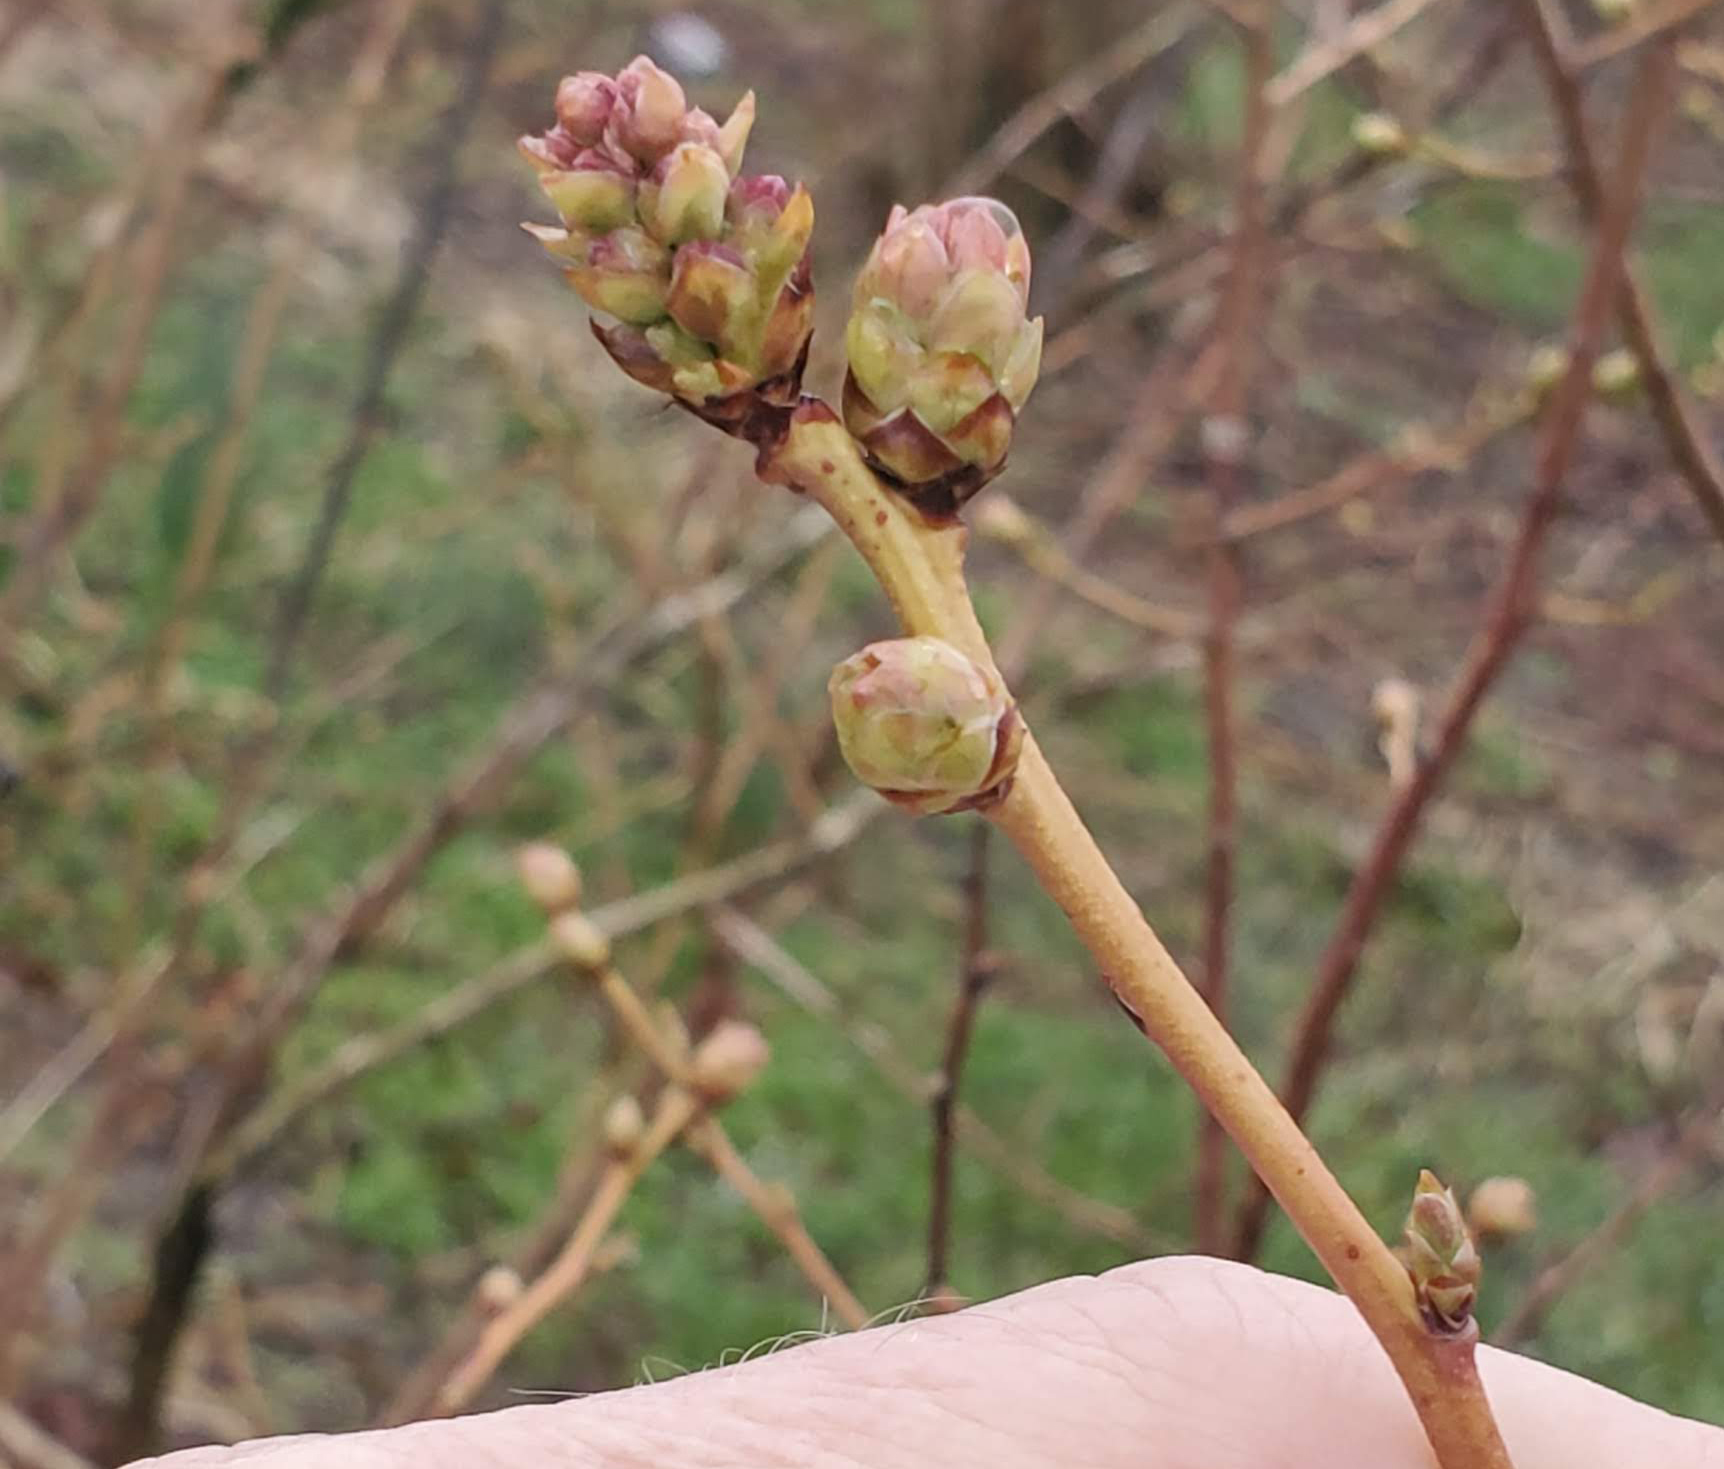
column 1453, row 1055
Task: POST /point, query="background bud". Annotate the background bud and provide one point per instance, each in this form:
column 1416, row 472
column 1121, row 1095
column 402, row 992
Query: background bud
column 1616, row 376
column 1503, row 1208
column 549, row 875
column 728, row 1060
column 924, row 725
column 624, row 1126
column 498, row 1289
column 583, row 942
column 1377, row 132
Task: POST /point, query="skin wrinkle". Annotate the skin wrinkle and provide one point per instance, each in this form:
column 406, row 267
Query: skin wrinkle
column 1172, row 1364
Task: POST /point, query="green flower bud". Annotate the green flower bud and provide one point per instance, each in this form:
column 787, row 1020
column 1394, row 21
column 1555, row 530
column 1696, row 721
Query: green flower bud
column 684, row 196
column 1440, row 1256
column 627, row 274
column 925, row 726
column 594, row 195
column 941, row 354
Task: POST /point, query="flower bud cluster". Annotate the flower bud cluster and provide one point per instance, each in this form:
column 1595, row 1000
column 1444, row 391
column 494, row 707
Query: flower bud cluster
column 942, row 354
column 705, row 269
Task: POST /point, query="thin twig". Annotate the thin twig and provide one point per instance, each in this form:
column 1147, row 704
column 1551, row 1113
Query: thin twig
column 976, row 968
column 1688, row 444
column 68, row 504
column 1494, row 413
column 676, row 1109
column 1166, row 26
column 1227, row 443
column 1635, row 32
column 390, row 336
column 1011, row 1161
column 364, row 1054
column 1325, row 58
column 290, row 249
column 1156, row 416
column 1512, row 610
column 774, row 1206
column 31, row 1447
column 1554, row 1281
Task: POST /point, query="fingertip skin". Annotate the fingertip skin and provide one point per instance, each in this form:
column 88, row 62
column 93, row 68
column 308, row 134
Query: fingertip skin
column 1178, row 1363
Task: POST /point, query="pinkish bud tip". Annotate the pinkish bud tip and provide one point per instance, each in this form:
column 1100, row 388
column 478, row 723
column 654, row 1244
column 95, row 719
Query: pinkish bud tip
column 585, row 103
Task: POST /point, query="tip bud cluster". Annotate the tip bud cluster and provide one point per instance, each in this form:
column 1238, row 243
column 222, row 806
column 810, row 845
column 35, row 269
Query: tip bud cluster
column 942, row 355
column 705, row 270
column 925, row 726
column 1440, row 1256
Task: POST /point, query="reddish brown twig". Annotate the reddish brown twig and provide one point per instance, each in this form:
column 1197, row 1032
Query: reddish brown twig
column 975, row 969
column 1656, row 20
column 1684, row 438
column 1226, row 443
column 1512, row 609
column 71, row 487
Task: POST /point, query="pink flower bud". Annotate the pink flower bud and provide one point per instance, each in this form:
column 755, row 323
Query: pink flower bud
column 924, row 725
column 648, row 116
column 585, row 102
column 757, row 198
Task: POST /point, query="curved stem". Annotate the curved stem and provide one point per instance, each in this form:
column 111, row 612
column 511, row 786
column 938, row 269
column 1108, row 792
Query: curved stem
column 920, row 564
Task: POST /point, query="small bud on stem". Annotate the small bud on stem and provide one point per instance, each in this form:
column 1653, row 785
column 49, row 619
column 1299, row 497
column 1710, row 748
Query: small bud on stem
column 728, row 1061
column 925, row 726
column 1440, row 1256
column 583, row 942
column 549, row 875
